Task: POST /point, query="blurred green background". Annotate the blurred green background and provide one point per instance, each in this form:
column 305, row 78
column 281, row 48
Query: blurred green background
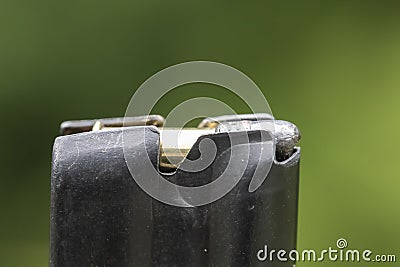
column 332, row 67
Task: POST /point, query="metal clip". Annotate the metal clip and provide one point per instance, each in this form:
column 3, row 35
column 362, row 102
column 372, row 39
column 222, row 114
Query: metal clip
column 79, row 126
column 175, row 144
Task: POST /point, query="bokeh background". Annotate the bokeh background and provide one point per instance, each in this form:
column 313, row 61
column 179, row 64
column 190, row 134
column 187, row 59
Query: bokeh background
column 332, row 67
